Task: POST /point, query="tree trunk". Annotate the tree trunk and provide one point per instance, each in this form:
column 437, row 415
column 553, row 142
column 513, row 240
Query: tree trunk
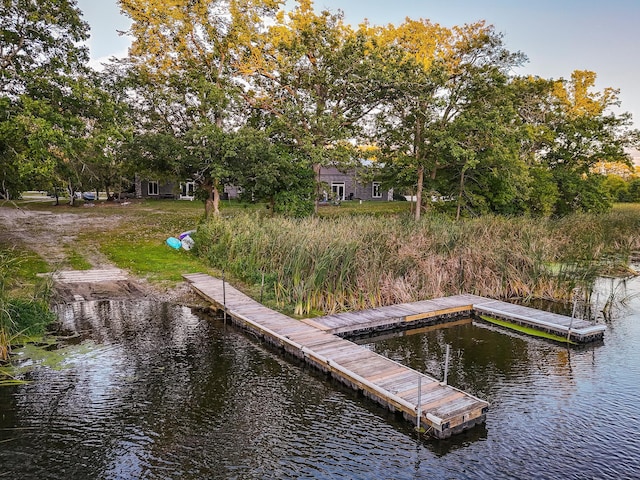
column 460, row 192
column 72, row 193
column 316, row 170
column 419, row 192
column 212, row 205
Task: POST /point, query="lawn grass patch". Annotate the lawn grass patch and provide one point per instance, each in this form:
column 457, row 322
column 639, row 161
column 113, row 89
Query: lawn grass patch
column 153, row 260
column 354, row 207
column 76, row 260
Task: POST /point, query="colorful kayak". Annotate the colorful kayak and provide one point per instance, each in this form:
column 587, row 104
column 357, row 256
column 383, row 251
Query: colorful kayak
column 173, row 242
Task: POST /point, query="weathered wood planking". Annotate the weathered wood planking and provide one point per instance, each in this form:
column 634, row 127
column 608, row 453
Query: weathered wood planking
column 352, row 364
column 88, row 276
column 575, row 329
column 435, row 311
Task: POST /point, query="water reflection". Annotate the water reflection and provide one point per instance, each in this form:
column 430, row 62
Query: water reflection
column 156, row 391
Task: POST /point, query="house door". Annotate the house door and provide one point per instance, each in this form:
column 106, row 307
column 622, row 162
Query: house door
column 337, row 189
column 187, row 190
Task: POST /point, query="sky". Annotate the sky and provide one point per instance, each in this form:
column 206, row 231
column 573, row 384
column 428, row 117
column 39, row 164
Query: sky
column 558, row 36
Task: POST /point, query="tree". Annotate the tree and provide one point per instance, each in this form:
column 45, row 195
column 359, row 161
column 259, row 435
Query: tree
column 40, row 61
column 318, row 79
column 584, row 132
column 442, row 73
column 184, row 58
column 271, row 171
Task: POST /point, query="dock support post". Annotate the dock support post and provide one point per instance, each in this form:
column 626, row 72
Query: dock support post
column 224, row 299
column 419, row 406
column 446, row 365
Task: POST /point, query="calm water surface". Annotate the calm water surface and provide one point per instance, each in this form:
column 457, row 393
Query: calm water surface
column 156, row 391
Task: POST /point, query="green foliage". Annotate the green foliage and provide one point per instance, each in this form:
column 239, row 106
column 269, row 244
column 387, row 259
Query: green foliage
column 580, row 193
column 76, row 260
column 544, row 192
column 634, row 190
column 42, row 64
column 293, row 204
column 28, row 317
column 21, row 313
column 152, row 260
column 617, row 188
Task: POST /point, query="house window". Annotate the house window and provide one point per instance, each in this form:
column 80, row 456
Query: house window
column 376, row 191
column 153, row 187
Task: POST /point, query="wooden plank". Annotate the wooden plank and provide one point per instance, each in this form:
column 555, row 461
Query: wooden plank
column 89, row 276
column 410, row 388
column 434, row 394
column 438, row 313
column 384, row 374
column 355, row 357
column 435, row 404
column 398, row 377
column 459, row 405
column 400, row 381
column 334, row 350
column 373, row 374
column 369, row 364
column 315, row 324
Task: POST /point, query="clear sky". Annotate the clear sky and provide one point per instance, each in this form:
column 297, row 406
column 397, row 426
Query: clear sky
column 558, row 36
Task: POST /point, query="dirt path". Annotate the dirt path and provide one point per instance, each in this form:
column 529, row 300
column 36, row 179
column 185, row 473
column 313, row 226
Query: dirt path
column 48, row 233
column 52, row 235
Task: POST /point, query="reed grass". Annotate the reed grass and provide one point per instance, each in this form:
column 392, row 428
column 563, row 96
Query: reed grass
column 330, row 264
column 21, row 314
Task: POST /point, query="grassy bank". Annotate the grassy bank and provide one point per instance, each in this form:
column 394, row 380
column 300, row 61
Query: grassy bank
column 24, row 310
column 363, row 261
column 362, row 255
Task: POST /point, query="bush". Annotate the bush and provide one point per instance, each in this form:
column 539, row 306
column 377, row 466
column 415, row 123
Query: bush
column 293, row 204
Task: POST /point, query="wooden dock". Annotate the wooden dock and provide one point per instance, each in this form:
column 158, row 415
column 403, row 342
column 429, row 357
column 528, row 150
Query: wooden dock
column 440, row 409
column 89, row 276
column 430, row 312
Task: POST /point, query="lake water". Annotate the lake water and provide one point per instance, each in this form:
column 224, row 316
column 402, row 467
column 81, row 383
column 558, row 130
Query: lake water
column 156, row 391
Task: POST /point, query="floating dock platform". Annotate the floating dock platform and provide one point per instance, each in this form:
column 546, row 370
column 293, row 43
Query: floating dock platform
column 429, row 312
column 440, row 409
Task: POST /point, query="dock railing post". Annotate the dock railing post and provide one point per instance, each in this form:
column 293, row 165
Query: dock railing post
column 573, row 314
column 224, row 299
column 262, row 287
column 446, row 365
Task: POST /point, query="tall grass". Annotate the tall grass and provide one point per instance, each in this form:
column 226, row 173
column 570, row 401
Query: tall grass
column 324, row 265
column 21, row 315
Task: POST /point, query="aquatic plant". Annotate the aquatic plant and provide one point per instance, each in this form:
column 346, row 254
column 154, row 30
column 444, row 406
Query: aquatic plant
column 354, row 262
column 526, row 330
column 20, row 315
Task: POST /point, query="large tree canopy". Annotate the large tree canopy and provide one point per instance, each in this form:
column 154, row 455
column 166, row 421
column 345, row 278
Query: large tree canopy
column 448, row 83
column 318, row 79
column 40, row 101
column 263, row 93
column 184, row 61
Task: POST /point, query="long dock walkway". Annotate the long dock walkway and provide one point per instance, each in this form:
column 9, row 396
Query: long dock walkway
column 441, row 409
column 409, row 315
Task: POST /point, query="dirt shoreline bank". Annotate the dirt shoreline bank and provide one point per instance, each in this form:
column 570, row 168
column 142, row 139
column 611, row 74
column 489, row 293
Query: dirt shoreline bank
column 52, row 234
